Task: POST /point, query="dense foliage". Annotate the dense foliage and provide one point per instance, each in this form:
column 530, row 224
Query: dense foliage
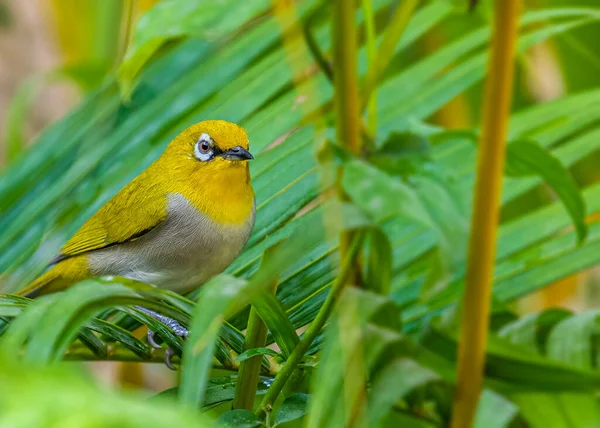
column 387, row 354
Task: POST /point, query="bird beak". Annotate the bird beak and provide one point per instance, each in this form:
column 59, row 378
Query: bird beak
column 237, row 153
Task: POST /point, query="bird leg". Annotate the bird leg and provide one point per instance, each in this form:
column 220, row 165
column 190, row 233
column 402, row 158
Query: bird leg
column 175, row 327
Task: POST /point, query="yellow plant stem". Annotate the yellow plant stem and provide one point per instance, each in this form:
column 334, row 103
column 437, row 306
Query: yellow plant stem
column 482, row 246
column 345, row 77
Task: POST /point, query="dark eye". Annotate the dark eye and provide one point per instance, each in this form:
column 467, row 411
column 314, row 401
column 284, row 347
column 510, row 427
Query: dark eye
column 204, row 146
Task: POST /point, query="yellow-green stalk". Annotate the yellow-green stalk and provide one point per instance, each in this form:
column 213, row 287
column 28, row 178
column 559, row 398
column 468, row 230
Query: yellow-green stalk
column 371, row 42
column 482, row 246
column 345, row 77
column 249, row 371
column 392, row 36
column 266, row 405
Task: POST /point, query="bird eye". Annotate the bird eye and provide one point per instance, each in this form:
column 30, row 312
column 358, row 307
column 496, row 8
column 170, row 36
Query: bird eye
column 204, row 148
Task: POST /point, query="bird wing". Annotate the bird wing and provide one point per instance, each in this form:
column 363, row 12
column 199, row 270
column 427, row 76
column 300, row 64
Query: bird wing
column 137, row 209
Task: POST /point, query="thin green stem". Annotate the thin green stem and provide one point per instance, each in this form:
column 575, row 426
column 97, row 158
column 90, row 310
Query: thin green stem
column 249, row 371
column 315, row 50
column 266, row 406
column 371, row 38
column 392, row 36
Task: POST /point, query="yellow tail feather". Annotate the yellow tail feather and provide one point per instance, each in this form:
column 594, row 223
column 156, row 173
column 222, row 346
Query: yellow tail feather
column 64, row 274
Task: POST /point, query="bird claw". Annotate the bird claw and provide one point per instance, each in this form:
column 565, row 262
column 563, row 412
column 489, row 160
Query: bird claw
column 173, row 325
column 168, row 354
column 151, row 340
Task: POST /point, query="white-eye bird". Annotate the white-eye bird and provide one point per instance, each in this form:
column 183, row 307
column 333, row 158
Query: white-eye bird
column 180, row 222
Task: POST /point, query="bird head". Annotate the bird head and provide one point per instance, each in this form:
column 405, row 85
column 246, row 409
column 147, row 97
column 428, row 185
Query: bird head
column 212, row 145
column 208, row 163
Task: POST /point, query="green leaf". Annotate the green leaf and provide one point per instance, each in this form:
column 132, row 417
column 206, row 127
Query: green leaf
column 525, row 158
column 175, row 19
column 495, row 411
column 382, row 196
column 65, row 392
column 517, row 365
column 574, row 340
column 57, row 319
column 218, row 296
column 451, row 227
column 92, row 342
column 349, row 354
column 239, row 418
column 401, row 153
column 272, row 313
column 393, row 382
column 292, row 408
column 120, row 334
column 340, row 377
column 257, row 351
column 378, row 267
column 16, row 115
column 532, row 330
column 557, row 410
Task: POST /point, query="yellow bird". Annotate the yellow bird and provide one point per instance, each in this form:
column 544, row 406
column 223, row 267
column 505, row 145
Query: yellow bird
column 180, row 222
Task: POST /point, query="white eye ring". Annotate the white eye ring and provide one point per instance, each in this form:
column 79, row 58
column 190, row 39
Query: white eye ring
column 203, row 150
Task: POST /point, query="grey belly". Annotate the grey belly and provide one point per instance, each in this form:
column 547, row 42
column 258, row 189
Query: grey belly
column 185, row 251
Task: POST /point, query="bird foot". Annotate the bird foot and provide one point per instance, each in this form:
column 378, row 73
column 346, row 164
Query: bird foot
column 175, row 327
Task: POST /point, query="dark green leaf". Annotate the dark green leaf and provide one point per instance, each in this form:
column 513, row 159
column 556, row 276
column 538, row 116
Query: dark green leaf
column 517, row 365
column 402, row 153
column 256, row 351
column 292, row 408
column 392, row 383
column 378, row 268
column 274, row 316
column 239, row 418
column 526, row 158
